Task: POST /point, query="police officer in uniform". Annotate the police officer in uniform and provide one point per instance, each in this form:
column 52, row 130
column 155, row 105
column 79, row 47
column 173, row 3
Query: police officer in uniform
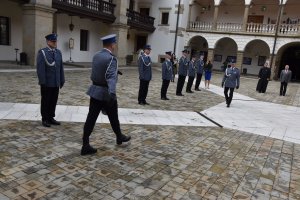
column 145, row 75
column 51, row 77
column 230, row 80
column 167, row 75
column 191, row 73
column 200, row 66
column 103, row 94
column 182, row 72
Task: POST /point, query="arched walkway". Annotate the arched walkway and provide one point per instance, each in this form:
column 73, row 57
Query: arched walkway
column 289, row 54
column 256, row 53
column 225, row 50
column 198, row 45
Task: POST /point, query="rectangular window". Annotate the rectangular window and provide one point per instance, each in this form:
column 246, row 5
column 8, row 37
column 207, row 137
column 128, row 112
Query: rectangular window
column 165, row 18
column 84, row 38
column 4, row 30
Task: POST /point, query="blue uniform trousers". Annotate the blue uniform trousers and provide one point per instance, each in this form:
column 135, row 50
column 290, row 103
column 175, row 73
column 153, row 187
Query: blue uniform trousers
column 190, row 83
column 94, row 109
column 143, row 91
column 198, row 80
column 164, row 88
column 49, row 96
column 228, row 98
column 180, row 84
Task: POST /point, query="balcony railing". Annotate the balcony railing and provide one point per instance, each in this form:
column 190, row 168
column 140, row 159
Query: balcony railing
column 284, row 29
column 140, row 22
column 94, row 9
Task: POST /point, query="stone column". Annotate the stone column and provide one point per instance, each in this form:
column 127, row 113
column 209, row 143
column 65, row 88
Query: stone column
column 210, row 55
column 120, row 28
column 275, row 68
column 245, row 20
column 239, row 60
column 37, row 23
column 216, row 13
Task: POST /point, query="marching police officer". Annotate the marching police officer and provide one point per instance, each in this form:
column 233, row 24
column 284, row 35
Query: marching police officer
column 102, row 94
column 230, row 80
column 145, row 74
column 51, row 77
column 167, row 75
column 200, row 66
column 192, row 72
column 182, row 72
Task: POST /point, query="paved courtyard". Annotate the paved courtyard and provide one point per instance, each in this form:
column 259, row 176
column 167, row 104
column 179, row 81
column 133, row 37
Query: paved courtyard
column 190, row 147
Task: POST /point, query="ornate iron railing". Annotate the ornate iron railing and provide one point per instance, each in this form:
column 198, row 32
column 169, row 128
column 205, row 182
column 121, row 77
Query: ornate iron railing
column 140, row 22
column 95, row 9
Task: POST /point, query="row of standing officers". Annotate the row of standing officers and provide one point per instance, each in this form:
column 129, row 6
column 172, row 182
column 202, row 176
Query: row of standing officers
column 104, row 79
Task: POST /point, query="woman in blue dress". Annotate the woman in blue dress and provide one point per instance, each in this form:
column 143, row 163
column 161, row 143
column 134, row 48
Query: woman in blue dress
column 207, row 70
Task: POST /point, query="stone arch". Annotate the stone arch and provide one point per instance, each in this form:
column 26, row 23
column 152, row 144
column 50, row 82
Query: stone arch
column 289, row 54
column 198, row 45
column 256, row 52
column 225, row 50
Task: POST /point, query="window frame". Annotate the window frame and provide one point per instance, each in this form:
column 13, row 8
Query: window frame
column 7, row 32
column 84, row 40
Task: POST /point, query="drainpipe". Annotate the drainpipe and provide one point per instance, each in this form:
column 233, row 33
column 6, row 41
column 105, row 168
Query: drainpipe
column 176, row 31
column 276, row 32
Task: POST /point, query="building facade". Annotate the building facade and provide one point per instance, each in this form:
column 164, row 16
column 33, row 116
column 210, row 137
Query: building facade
column 246, row 31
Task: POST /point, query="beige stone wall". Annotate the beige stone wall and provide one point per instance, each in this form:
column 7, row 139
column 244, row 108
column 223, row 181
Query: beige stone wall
column 37, row 22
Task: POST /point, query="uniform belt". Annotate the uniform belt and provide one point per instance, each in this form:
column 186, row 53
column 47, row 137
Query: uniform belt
column 100, row 84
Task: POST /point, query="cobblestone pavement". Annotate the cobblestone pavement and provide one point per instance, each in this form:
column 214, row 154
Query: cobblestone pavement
column 162, row 162
column 22, row 87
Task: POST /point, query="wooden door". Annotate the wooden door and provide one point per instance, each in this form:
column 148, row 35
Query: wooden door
column 257, row 19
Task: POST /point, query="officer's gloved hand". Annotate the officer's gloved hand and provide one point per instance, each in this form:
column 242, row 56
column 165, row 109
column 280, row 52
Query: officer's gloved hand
column 222, row 85
column 112, row 99
column 120, row 73
column 237, row 87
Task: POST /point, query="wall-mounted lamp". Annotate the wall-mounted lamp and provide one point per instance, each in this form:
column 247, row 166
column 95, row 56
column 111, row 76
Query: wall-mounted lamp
column 263, row 8
column 71, row 26
column 203, row 8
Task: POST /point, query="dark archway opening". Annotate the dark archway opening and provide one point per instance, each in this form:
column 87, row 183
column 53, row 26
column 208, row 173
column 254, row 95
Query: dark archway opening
column 291, row 57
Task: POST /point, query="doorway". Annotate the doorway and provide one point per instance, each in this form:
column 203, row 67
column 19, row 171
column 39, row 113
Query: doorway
column 291, row 57
column 141, row 41
column 256, row 19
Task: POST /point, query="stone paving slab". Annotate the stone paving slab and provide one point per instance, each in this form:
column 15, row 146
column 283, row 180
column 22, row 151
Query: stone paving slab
column 21, row 111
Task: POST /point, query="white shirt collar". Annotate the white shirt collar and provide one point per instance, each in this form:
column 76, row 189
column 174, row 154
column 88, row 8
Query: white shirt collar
column 108, row 50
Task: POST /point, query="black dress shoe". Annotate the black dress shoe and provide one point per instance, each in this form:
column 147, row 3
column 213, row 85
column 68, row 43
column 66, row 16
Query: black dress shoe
column 54, row 122
column 46, row 123
column 123, row 138
column 88, row 150
column 189, row 91
column 142, row 103
column 146, row 103
column 163, row 98
column 197, row 89
column 179, row 95
column 228, row 105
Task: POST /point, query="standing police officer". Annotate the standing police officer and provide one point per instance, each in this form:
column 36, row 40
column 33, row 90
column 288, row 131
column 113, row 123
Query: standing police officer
column 51, row 77
column 182, row 72
column 231, row 80
column 192, row 72
column 145, row 75
column 167, row 75
column 200, row 65
column 103, row 94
